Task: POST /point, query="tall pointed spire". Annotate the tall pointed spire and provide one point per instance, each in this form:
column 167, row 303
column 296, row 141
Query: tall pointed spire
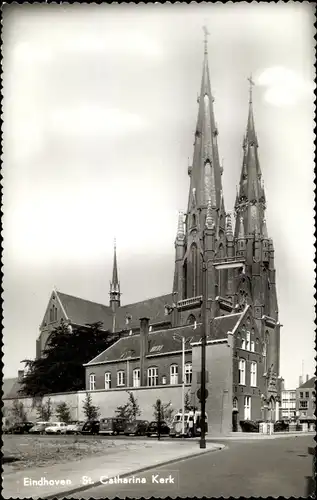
column 251, row 138
column 206, row 157
column 114, row 284
column 250, row 203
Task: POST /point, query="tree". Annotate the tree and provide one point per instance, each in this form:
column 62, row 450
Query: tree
column 63, row 412
column 18, row 412
column 91, row 411
column 187, row 402
column 45, row 410
column 60, row 369
column 130, row 409
column 163, row 411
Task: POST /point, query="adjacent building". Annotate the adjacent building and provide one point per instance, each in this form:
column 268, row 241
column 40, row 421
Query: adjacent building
column 230, row 264
column 288, row 410
column 306, row 400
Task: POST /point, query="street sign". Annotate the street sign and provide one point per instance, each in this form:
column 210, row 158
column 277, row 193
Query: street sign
column 199, row 394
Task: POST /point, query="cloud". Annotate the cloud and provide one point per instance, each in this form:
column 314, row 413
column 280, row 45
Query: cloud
column 284, row 87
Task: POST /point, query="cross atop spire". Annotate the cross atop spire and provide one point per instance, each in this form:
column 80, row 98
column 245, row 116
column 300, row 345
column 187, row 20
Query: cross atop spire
column 251, row 82
column 206, row 33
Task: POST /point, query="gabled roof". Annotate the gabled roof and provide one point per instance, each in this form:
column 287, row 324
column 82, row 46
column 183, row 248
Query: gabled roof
column 151, row 308
column 10, row 388
column 310, row 384
column 160, row 342
column 224, row 324
column 82, row 312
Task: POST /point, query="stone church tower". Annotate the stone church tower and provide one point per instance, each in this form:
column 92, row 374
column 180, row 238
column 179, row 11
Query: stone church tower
column 205, row 234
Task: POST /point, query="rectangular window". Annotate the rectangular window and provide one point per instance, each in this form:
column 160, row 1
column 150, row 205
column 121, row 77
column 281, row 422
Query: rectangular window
column 247, row 407
column 252, row 346
column 248, row 341
column 188, row 373
column 120, row 378
column 242, row 371
column 173, row 374
column 303, row 405
column 136, row 377
column 152, row 376
column 108, row 380
column 243, row 344
column 306, row 394
column 92, row 382
column 253, row 377
column 301, row 394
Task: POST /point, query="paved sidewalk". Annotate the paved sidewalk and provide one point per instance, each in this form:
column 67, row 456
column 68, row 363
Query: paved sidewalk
column 59, row 479
column 255, row 435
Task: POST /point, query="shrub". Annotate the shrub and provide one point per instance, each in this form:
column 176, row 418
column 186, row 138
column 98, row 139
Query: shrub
column 130, row 409
column 91, row 411
column 63, row 412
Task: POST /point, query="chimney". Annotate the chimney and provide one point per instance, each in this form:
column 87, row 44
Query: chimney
column 307, row 378
column 144, row 342
column 20, row 375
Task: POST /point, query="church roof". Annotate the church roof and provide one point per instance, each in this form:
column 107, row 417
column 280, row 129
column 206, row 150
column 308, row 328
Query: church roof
column 82, row 311
column 151, row 308
column 160, row 342
column 310, row 384
column 10, row 388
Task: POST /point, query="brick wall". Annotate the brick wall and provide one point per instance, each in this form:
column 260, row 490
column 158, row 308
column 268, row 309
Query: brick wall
column 162, row 362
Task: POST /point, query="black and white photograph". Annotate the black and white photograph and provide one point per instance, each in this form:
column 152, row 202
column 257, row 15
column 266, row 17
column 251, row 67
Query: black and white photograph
column 158, row 250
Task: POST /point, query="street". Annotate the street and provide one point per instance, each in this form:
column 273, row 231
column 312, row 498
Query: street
column 250, row 468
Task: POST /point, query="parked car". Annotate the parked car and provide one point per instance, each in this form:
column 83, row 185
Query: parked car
column 281, row 426
column 136, row 428
column 91, row 427
column 56, row 428
column 21, row 427
column 153, row 428
column 112, row 425
column 39, row 428
column 74, row 427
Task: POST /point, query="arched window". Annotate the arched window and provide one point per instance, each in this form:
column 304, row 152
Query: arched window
column 173, row 374
column 194, row 220
column 242, row 371
column 152, row 376
column 235, row 403
column 92, row 382
column 194, row 268
column 191, row 319
column 107, row 380
column 253, row 373
column 120, row 378
column 188, row 373
column 136, row 377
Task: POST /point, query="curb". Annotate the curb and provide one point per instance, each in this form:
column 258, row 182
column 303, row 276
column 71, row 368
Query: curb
column 62, row 494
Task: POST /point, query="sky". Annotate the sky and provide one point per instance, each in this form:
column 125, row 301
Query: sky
column 100, row 108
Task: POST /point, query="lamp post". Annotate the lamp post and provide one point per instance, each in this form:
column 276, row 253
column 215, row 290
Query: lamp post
column 183, row 340
column 231, row 263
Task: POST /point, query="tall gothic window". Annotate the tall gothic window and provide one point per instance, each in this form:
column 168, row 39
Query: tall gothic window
column 194, row 268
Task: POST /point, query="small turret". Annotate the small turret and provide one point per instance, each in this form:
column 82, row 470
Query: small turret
column 115, row 293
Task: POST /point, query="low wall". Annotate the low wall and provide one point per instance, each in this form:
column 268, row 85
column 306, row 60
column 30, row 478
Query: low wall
column 107, row 401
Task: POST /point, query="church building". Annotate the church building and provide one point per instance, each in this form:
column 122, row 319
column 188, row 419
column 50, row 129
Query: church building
column 231, row 265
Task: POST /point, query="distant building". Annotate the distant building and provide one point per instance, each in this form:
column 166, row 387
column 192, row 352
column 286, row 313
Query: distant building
column 288, row 409
column 306, row 400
